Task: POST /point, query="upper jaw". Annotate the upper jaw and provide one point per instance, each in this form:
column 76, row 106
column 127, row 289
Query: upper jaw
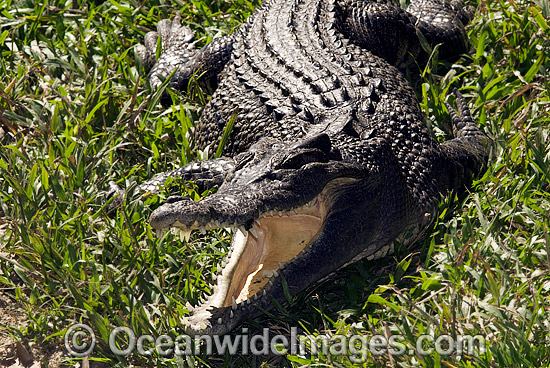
column 238, row 205
column 233, row 211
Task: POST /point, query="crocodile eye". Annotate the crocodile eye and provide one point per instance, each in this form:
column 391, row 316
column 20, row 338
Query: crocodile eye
column 297, row 160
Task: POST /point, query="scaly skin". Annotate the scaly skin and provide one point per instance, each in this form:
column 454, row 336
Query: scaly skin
column 329, row 142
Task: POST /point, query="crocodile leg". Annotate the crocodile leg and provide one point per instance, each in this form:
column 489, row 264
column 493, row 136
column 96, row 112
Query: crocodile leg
column 179, row 56
column 443, row 23
column 385, row 30
column 175, row 39
column 391, row 32
column 466, row 154
column 205, row 174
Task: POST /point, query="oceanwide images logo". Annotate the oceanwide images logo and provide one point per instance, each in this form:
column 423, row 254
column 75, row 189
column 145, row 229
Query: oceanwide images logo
column 80, row 341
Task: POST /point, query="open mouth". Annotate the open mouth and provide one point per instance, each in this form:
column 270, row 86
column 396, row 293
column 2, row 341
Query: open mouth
column 259, row 254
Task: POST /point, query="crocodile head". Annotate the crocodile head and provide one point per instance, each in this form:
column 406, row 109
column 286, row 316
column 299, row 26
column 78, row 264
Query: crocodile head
column 298, row 214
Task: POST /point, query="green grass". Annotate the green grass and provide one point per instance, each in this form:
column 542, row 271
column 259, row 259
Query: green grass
column 76, row 112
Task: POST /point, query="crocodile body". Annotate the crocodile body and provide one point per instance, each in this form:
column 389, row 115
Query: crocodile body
column 329, row 160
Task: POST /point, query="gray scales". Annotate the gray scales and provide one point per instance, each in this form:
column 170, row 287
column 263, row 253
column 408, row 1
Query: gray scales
column 329, row 160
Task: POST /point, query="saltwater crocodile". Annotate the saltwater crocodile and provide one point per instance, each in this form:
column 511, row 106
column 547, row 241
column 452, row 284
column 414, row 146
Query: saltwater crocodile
column 329, row 160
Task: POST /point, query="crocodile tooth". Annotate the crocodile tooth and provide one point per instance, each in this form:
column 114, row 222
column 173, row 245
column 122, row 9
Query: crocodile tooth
column 188, row 235
column 242, row 229
column 160, row 232
column 288, row 213
column 214, row 277
column 233, row 230
column 258, row 221
column 264, row 293
column 203, row 230
column 270, row 283
column 295, row 210
column 281, row 266
column 231, row 314
column 248, row 300
column 223, row 263
column 275, row 273
column 185, row 235
column 280, row 213
column 271, row 213
column 253, row 232
column 256, row 296
column 220, row 320
column 264, row 215
column 233, row 303
column 216, row 223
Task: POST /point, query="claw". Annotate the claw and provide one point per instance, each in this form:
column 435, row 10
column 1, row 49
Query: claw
column 116, row 193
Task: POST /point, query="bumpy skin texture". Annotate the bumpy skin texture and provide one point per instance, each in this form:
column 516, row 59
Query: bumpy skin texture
column 318, row 93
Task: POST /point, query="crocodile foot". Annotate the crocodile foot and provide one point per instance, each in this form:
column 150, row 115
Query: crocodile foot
column 178, row 47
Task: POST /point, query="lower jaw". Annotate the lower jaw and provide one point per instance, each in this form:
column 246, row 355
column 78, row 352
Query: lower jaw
column 279, row 241
column 258, row 256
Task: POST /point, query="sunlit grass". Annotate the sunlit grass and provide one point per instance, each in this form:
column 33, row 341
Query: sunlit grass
column 76, row 112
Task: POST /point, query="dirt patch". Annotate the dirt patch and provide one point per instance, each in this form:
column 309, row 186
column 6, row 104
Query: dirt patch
column 16, row 350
